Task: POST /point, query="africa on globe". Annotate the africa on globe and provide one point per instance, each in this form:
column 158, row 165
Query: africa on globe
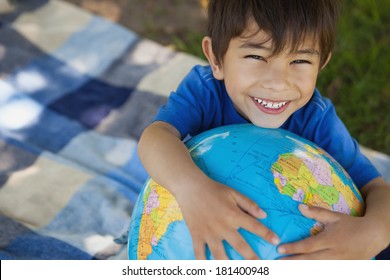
column 274, row 167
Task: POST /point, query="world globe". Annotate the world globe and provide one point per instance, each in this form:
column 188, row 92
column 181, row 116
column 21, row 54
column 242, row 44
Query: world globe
column 274, row 167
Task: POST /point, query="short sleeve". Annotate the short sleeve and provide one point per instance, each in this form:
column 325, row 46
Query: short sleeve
column 186, row 106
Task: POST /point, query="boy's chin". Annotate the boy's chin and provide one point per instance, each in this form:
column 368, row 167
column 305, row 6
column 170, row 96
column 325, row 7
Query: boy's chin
column 268, row 124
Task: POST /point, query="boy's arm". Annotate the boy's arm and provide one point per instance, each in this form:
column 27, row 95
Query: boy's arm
column 346, row 237
column 169, row 163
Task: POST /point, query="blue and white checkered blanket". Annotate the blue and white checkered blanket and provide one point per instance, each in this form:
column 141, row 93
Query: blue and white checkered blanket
column 76, row 92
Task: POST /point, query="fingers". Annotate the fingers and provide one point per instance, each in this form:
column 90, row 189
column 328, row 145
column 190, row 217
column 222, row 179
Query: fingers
column 199, row 249
column 254, row 226
column 234, row 239
column 322, row 215
column 213, row 228
column 249, row 222
column 305, row 246
column 311, row 256
column 242, row 247
column 249, row 206
column 314, row 247
column 218, row 249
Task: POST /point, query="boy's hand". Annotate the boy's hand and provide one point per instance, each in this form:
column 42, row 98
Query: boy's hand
column 214, row 213
column 343, row 237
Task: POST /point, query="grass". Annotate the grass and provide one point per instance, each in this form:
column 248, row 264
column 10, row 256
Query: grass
column 358, row 77
column 191, row 43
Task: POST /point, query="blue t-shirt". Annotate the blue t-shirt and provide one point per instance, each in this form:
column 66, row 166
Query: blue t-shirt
column 202, row 103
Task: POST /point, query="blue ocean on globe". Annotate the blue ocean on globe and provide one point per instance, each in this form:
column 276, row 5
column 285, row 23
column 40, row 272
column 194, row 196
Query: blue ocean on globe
column 275, row 168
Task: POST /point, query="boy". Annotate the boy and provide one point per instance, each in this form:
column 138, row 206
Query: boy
column 264, row 60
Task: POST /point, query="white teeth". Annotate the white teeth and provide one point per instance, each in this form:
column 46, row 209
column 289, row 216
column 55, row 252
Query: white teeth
column 270, row 105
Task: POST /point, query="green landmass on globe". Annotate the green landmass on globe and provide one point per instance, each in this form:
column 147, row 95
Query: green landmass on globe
column 273, row 167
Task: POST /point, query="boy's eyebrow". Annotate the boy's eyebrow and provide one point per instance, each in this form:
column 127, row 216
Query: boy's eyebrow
column 308, row 51
column 252, row 45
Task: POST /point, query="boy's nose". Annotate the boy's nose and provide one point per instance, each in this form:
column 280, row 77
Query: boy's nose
column 276, row 79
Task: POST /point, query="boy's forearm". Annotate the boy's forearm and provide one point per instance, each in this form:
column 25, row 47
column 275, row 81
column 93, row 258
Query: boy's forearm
column 377, row 199
column 167, row 159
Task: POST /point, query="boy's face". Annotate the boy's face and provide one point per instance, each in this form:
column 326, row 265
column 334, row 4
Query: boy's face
column 267, row 89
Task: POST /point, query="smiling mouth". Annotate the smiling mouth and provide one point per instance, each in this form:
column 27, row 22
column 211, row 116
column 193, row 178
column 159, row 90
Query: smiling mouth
column 270, row 104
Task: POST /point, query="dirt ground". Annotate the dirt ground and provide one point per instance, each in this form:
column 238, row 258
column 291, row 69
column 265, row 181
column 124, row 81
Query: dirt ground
column 160, row 20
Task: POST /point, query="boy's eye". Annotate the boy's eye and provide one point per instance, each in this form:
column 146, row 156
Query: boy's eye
column 257, row 57
column 301, row 61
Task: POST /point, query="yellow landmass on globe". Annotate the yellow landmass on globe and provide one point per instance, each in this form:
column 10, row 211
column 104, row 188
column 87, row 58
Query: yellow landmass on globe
column 161, row 209
column 313, row 181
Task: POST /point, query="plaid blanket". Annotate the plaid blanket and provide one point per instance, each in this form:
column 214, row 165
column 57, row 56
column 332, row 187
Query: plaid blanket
column 76, row 91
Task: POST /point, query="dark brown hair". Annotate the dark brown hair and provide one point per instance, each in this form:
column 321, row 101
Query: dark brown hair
column 288, row 22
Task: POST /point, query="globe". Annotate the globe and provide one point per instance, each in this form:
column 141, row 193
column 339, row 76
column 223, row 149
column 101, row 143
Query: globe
column 274, row 167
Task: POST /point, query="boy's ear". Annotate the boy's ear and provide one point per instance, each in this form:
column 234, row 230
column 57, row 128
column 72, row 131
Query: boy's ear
column 327, row 60
column 208, row 52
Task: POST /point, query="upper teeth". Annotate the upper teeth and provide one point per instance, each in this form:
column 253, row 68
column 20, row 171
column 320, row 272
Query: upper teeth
column 268, row 104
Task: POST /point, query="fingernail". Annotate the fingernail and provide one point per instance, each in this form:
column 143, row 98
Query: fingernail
column 281, row 250
column 275, row 240
column 303, row 207
column 262, row 214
